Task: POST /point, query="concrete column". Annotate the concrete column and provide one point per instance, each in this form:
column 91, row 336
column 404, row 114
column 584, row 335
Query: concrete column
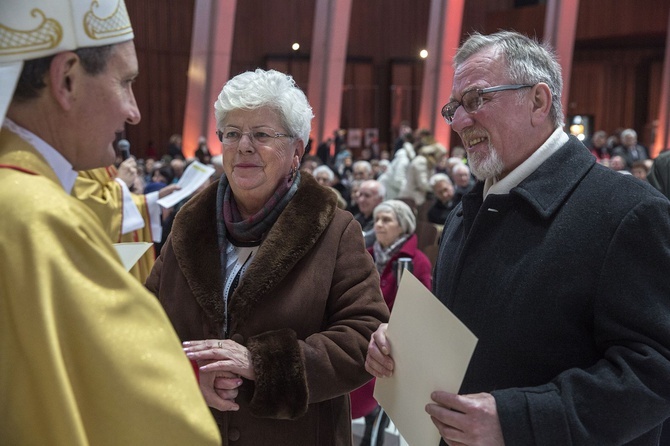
column 209, row 69
column 328, row 60
column 444, row 35
column 560, row 24
column 662, row 140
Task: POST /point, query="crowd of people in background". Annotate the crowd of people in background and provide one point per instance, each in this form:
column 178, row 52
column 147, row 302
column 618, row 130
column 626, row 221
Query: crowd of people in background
column 622, row 152
column 277, row 277
column 416, row 169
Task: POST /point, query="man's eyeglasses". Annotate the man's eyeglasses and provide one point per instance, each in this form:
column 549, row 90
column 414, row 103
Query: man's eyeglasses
column 262, row 135
column 472, row 100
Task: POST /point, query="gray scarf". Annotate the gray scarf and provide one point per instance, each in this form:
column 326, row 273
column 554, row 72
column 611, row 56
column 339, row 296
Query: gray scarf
column 382, row 256
column 249, row 232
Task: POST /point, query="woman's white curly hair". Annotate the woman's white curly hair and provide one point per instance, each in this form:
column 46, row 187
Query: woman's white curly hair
column 260, row 88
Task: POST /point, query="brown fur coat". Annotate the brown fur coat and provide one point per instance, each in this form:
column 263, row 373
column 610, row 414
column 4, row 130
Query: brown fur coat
column 305, row 308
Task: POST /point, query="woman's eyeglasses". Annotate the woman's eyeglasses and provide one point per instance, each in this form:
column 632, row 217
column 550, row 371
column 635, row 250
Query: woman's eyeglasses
column 472, row 100
column 263, row 135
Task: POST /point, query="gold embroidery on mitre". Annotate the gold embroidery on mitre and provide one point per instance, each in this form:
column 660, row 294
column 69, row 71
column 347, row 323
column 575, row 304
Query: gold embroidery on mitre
column 46, row 35
column 115, row 25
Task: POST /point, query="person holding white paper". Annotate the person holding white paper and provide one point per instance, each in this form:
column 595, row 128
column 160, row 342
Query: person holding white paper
column 395, row 239
column 267, row 281
column 557, row 264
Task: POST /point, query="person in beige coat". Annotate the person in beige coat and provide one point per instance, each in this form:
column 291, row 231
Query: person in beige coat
column 268, row 282
column 419, row 171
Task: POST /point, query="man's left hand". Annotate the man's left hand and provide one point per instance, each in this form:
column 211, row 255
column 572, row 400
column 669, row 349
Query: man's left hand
column 127, row 171
column 466, row 419
column 167, row 190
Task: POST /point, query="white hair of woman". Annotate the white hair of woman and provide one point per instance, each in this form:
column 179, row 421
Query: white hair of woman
column 459, row 167
column 365, row 165
column 260, row 88
column 327, row 170
column 439, row 177
column 403, row 213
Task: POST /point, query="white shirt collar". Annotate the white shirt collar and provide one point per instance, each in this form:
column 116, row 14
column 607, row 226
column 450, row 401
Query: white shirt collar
column 523, row 171
column 63, row 169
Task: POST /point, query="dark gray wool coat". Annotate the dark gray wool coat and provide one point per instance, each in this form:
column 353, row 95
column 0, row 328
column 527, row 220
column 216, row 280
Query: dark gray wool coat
column 305, row 308
column 566, row 283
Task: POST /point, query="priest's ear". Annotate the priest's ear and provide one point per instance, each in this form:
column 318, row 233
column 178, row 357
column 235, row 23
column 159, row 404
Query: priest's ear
column 65, row 75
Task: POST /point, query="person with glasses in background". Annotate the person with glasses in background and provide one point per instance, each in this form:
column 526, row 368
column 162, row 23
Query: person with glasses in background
column 267, row 281
column 545, row 262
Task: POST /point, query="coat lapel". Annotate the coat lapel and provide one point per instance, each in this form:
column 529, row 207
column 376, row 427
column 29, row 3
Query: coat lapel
column 294, row 233
column 543, row 191
column 195, row 246
column 297, row 229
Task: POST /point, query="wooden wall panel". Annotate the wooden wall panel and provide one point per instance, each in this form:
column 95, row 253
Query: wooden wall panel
column 528, row 20
column 626, row 84
column 623, row 21
column 618, row 55
column 359, row 96
column 162, row 40
column 269, row 28
column 405, row 97
column 296, row 67
column 386, row 31
column 633, row 20
column 475, row 13
column 655, row 83
column 588, row 95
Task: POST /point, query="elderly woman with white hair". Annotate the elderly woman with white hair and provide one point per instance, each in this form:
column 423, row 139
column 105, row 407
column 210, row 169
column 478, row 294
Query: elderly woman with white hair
column 325, row 177
column 267, row 282
column 394, row 227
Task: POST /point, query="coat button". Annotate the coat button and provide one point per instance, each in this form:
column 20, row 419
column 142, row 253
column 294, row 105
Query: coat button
column 233, row 434
column 237, row 338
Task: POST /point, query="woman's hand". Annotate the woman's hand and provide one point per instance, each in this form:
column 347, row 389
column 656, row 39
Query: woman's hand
column 378, row 361
column 223, row 355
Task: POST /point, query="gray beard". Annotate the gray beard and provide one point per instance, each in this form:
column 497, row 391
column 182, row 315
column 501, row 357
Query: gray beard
column 486, row 165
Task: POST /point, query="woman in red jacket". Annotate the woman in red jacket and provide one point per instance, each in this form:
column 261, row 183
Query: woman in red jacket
column 394, row 228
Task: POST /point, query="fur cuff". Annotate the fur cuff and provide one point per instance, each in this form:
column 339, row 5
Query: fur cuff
column 281, row 382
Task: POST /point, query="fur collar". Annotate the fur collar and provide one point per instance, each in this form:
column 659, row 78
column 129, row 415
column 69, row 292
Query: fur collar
column 194, row 241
